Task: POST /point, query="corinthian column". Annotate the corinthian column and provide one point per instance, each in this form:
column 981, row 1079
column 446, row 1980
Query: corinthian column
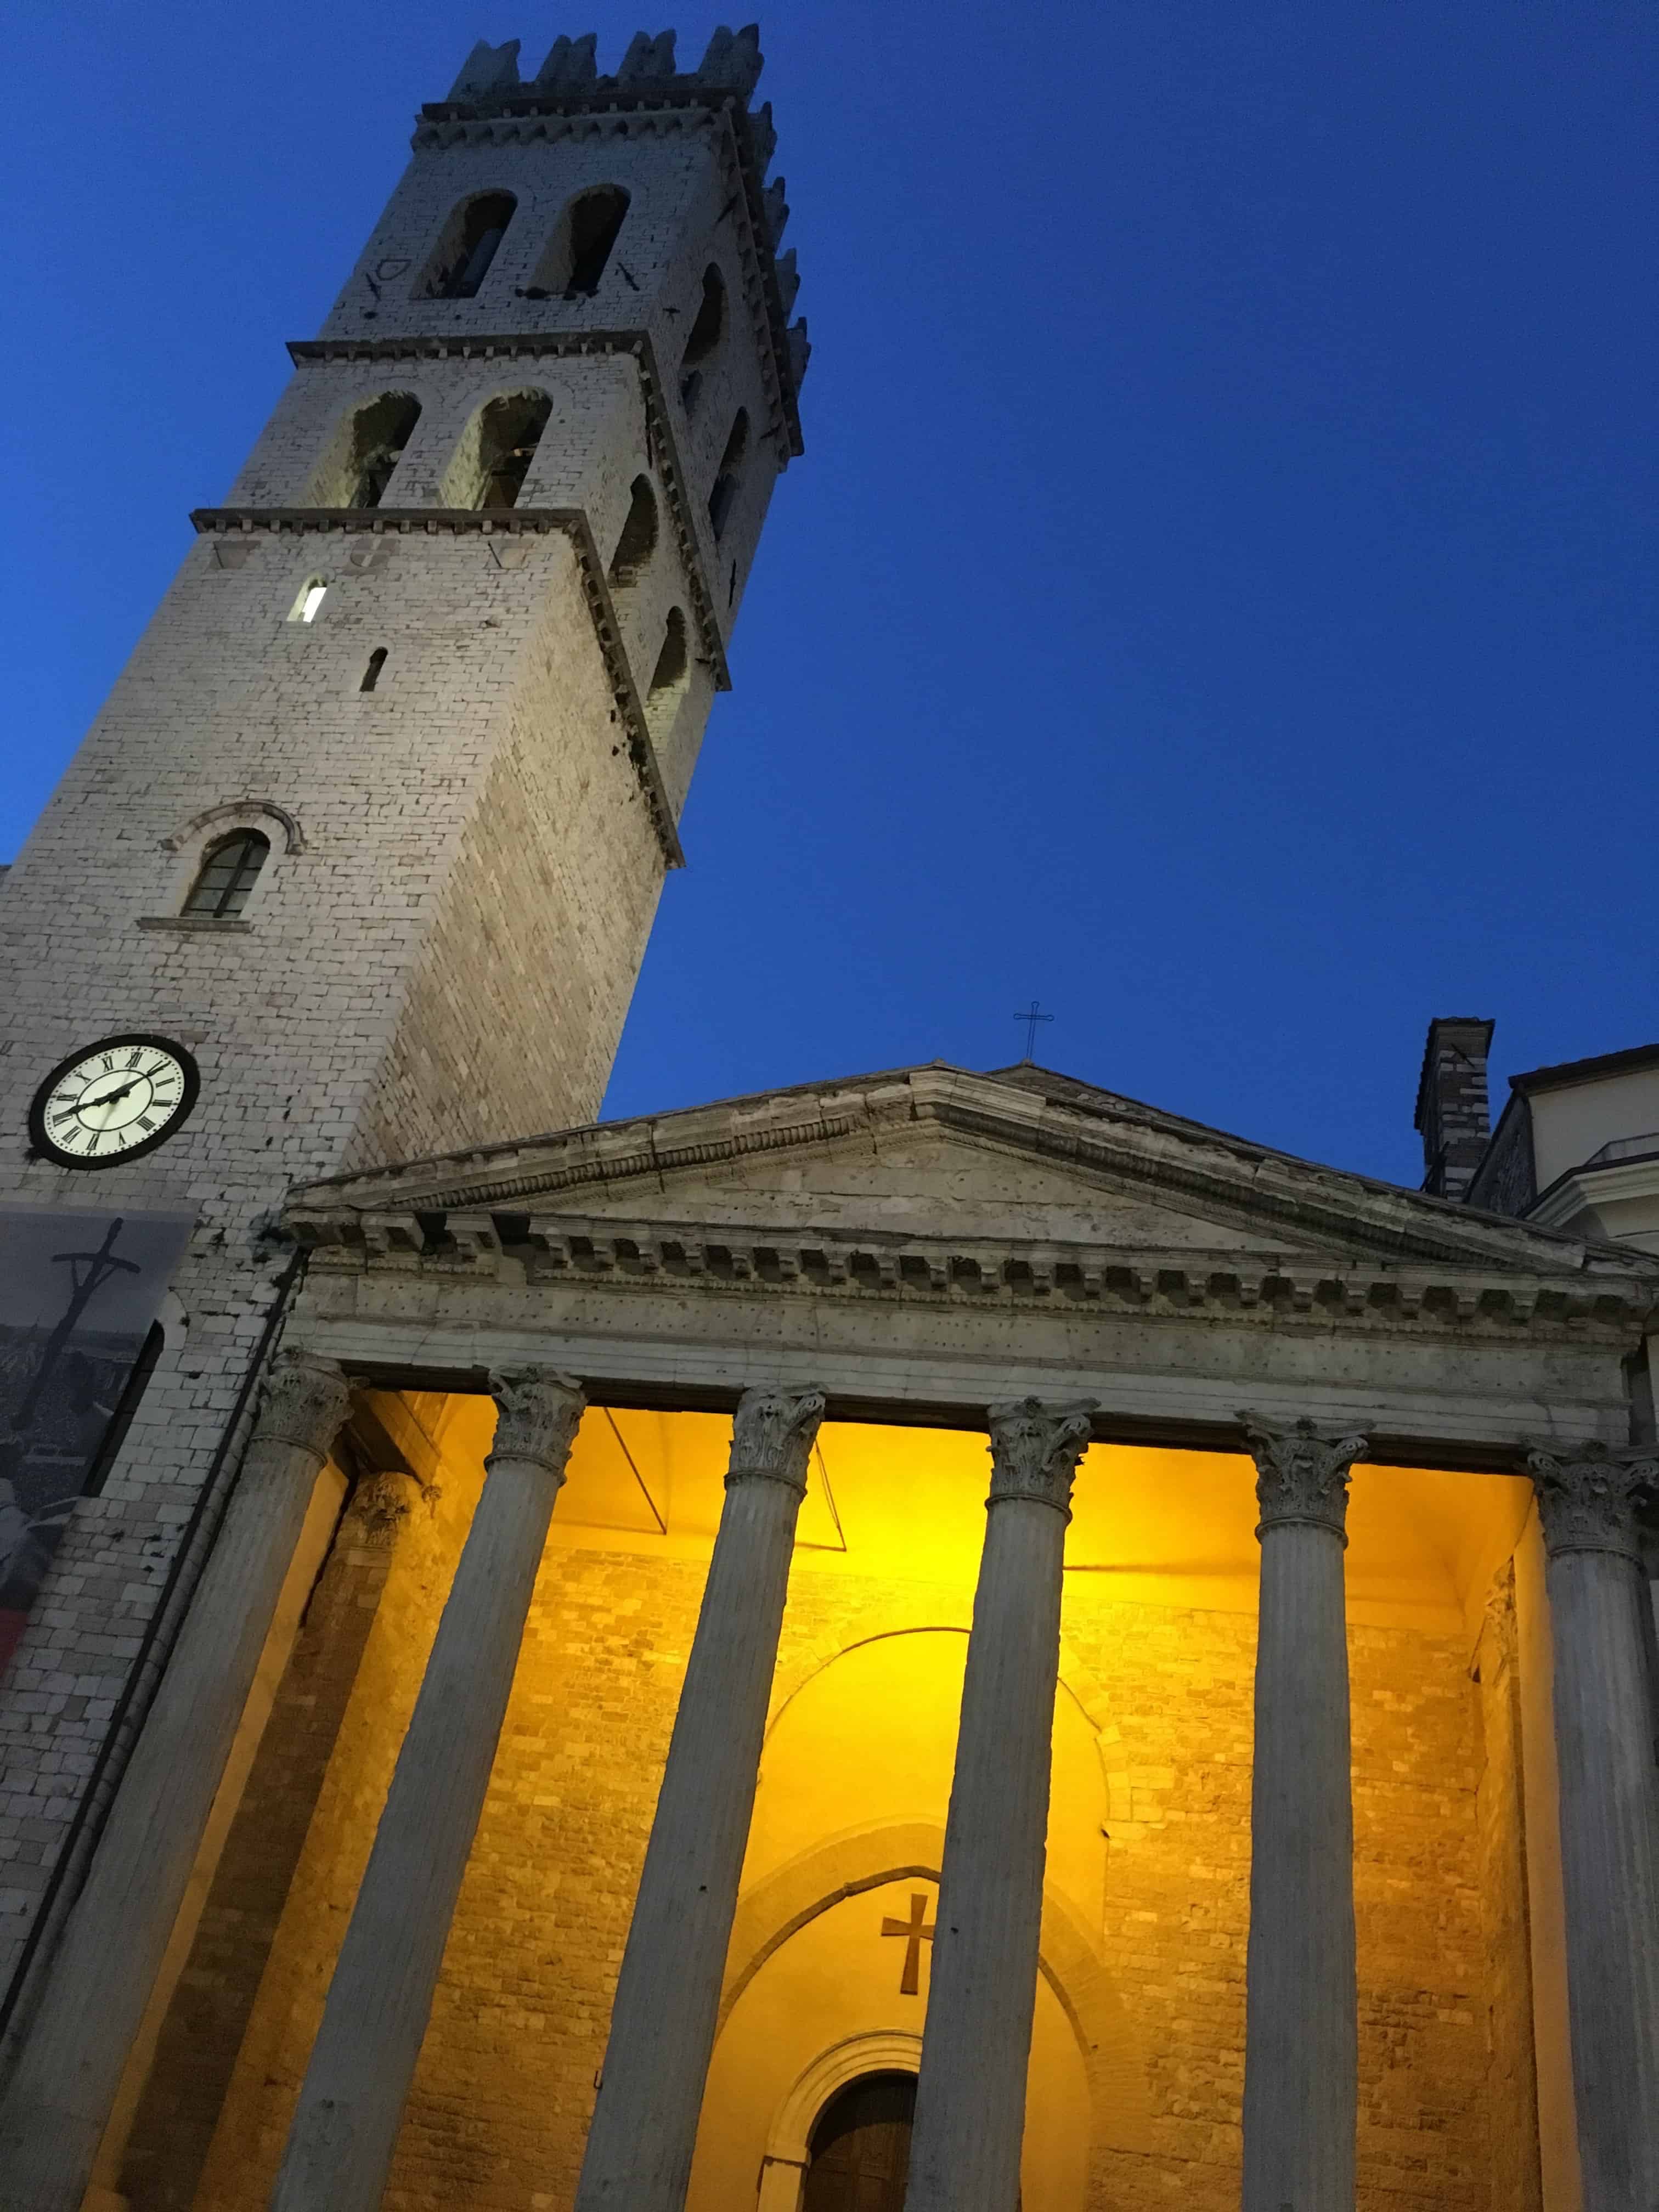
column 351, row 2103
column 69, row 2068
column 976, row 2047
column 663, row 2022
column 1301, row 2025
column 1604, row 1736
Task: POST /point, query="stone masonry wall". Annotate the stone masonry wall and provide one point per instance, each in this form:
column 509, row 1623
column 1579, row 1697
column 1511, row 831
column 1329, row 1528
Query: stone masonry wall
column 498, row 2115
column 681, row 216
column 306, row 1019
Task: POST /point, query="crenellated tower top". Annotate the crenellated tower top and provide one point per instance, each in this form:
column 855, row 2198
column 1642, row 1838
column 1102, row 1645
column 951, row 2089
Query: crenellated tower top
column 491, row 97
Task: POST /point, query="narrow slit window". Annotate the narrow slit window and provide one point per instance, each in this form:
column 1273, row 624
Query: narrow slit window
column 308, row 605
column 372, row 673
column 230, row 868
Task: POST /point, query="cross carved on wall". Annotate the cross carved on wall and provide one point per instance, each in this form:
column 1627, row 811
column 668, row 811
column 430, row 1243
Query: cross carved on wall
column 916, row 1931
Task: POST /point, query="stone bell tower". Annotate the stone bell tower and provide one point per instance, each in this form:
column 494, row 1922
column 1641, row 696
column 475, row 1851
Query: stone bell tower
column 448, row 648
column 372, row 829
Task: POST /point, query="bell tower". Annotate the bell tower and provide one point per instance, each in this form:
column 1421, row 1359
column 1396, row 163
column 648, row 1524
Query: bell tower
column 448, row 648
column 368, row 838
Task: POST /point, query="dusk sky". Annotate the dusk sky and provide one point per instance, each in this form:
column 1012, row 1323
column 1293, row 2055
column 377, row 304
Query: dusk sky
column 1217, row 597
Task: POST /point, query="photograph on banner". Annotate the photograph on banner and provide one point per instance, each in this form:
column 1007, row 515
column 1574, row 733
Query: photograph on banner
column 80, row 1296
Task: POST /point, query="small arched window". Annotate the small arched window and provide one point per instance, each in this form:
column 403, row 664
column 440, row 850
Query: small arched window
column 725, row 491
column 672, row 662
column 469, row 244
column 309, row 603
column 707, row 329
column 638, row 541
column 230, row 868
column 372, row 673
column 509, row 432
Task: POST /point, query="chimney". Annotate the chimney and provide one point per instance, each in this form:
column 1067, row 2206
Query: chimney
column 1452, row 1114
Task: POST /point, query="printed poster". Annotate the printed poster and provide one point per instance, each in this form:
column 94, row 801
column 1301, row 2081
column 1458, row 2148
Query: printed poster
column 80, row 1292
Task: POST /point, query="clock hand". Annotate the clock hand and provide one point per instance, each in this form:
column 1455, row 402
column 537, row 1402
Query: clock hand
column 109, row 1098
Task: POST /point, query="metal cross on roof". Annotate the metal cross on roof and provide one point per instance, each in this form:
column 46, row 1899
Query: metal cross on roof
column 1031, row 1016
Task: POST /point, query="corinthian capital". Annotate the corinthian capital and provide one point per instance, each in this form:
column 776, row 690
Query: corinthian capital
column 773, row 1432
column 1301, row 1475
column 1036, row 1446
column 1589, row 1499
column 304, row 1401
column 537, row 1410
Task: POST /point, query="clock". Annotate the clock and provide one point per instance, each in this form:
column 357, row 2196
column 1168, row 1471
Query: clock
column 112, row 1101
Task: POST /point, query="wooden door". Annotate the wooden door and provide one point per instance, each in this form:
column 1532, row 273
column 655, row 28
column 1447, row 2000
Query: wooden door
column 860, row 2157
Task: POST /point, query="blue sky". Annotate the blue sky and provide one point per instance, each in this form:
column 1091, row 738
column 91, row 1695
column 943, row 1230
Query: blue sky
column 1218, row 597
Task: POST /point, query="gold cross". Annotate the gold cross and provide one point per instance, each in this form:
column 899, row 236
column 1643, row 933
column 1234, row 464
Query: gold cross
column 916, row 1934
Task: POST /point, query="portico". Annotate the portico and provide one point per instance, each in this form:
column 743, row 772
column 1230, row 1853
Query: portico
column 729, row 1676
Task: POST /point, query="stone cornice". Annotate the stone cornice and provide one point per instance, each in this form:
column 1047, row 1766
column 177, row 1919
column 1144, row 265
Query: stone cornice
column 635, row 346
column 540, row 112
column 507, row 522
column 1132, row 1153
column 520, row 1245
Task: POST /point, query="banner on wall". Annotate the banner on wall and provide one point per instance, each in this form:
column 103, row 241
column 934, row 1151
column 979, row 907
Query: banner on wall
column 80, row 1292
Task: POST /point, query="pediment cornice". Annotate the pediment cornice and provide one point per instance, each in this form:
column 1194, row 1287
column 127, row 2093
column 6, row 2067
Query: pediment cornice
column 1315, row 1227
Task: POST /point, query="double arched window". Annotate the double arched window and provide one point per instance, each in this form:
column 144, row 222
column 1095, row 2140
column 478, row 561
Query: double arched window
column 638, row 541
column 509, row 430
column 470, row 242
column 230, row 868
column 669, row 676
column 707, row 329
column 580, row 252
column 723, row 496
column 365, row 451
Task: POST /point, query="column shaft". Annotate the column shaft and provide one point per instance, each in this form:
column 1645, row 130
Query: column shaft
column 970, row 2097
column 70, row 2066
column 667, row 2005
column 1609, row 1795
column 1301, row 2034
column 351, row 2103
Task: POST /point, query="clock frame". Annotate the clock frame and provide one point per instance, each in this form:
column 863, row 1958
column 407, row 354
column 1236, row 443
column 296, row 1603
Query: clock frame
column 43, row 1145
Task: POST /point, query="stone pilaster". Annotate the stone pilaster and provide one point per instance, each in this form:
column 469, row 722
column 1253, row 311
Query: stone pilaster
column 1605, row 1724
column 970, row 2097
column 70, row 2066
column 1301, row 2037
column 667, row 2005
column 351, row 2104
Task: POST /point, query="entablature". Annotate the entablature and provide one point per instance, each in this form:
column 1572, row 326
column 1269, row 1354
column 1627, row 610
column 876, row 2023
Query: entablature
column 536, row 1246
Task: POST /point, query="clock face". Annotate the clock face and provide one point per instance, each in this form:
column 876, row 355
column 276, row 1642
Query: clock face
column 112, row 1101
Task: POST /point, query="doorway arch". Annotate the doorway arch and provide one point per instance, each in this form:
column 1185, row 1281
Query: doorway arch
column 788, row 2146
column 858, row 2157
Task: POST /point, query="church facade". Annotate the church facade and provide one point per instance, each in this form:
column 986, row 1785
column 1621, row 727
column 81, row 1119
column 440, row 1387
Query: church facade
column 935, row 1639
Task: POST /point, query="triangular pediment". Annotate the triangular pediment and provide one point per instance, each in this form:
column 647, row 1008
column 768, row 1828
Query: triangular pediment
column 936, row 1156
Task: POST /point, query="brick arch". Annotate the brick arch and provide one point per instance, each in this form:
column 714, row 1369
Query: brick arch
column 1070, row 1961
